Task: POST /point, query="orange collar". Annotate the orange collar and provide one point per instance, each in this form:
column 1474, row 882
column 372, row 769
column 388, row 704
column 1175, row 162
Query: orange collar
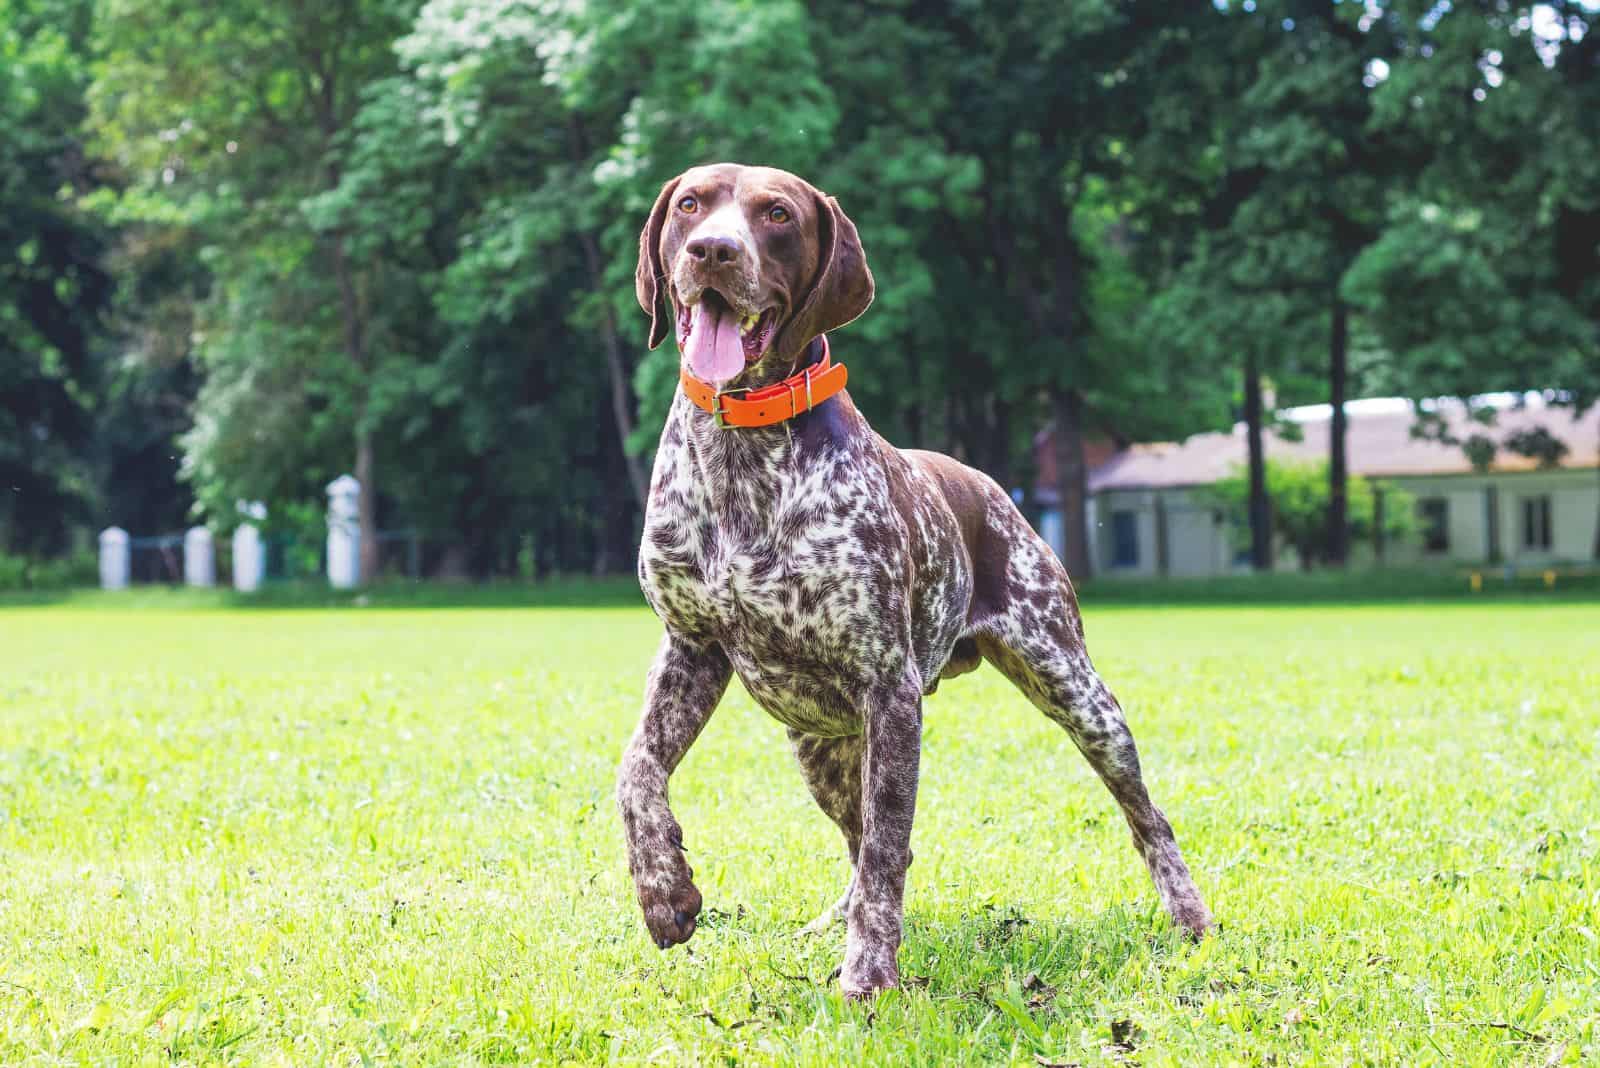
column 771, row 404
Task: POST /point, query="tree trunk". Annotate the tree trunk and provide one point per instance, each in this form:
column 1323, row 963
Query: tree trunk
column 324, row 92
column 367, row 505
column 916, row 428
column 1338, row 369
column 961, row 429
column 616, row 368
column 610, row 335
column 615, row 544
column 355, row 349
column 1379, row 546
column 1260, row 509
column 1072, row 479
column 1000, row 445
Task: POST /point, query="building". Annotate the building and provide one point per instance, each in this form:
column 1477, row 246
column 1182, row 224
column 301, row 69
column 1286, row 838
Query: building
column 1146, row 518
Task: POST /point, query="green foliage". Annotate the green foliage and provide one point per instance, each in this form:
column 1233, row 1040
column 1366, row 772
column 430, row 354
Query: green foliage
column 1538, row 444
column 291, row 236
column 74, row 570
column 1480, row 445
column 1465, row 305
column 1298, row 493
column 53, row 287
column 221, row 144
column 1487, row 276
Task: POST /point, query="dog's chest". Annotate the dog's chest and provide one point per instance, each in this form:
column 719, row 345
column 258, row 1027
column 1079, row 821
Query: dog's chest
column 794, row 575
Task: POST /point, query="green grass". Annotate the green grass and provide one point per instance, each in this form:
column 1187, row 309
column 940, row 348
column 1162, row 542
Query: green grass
column 356, row 836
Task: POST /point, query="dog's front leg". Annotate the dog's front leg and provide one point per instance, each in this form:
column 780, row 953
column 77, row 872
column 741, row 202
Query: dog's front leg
column 889, row 799
column 686, row 682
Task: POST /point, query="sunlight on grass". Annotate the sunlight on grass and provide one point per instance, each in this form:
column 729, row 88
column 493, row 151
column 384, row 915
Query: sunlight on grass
column 309, row 837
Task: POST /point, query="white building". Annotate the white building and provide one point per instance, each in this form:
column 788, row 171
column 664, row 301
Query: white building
column 1146, row 519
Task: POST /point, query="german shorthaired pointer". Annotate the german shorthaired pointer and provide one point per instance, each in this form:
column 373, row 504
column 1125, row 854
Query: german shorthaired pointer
column 840, row 577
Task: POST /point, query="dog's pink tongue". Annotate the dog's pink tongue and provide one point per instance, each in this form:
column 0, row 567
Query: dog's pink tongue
column 716, row 354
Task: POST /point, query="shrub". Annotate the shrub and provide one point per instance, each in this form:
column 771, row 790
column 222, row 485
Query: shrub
column 60, row 573
column 13, row 572
column 1298, row 493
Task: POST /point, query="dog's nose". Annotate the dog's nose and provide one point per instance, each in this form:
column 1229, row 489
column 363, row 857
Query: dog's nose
column 717, row 251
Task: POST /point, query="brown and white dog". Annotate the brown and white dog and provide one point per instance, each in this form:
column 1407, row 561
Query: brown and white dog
column 840, row 577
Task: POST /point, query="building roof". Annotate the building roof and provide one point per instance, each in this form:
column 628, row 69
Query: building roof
column 1097, row 451
column 1379, row 444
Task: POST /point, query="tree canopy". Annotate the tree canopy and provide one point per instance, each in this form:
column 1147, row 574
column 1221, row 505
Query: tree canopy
column 245, row 248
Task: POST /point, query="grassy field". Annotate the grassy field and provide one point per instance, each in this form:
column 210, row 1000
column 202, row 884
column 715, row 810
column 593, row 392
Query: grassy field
column 386, row 835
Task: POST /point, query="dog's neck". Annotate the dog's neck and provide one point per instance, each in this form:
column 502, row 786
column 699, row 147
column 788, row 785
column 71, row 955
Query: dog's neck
column 743, row 468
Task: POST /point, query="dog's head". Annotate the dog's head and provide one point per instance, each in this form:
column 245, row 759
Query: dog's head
column 753, row 263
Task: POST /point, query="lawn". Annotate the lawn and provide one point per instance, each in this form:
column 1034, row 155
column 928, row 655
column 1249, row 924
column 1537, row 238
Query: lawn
column 385, row 835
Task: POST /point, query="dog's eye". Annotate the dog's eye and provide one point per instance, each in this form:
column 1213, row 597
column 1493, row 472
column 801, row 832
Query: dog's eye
column 779, row 214
column 688, row 205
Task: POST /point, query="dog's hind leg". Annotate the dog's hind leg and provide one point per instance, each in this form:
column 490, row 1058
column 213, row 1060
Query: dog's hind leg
column 832, row 770
column 1038, row 645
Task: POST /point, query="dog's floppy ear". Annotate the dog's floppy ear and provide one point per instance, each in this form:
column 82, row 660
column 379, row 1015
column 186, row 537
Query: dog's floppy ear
column 843, row 286
column 647, row 277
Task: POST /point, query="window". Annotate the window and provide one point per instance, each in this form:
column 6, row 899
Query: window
column 1434, row 512
column 1536, row 523
column 1124, row 539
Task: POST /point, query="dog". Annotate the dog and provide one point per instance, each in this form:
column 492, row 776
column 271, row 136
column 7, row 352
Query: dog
column 841, row 578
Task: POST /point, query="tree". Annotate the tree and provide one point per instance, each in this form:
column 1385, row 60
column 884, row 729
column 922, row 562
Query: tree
column 497, row 184
column 987, row 144
column 54, row 289
column 385, row 230
column 1301, row 497
column 1227, row 290
column 1323, row 168
column 1224, row 310
column 1488, row 274
column 231, row 139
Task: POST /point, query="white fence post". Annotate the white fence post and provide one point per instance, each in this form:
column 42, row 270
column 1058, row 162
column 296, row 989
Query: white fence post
column 249, row 554
column 199, row 558
column 114, row 559
column 344, row 533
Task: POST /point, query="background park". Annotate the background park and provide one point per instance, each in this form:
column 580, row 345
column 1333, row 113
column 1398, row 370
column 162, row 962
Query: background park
column 1281, row 320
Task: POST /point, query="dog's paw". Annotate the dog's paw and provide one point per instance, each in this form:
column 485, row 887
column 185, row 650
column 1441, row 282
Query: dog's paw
column 670, row 903
column 1192, row 917
column 867, row 971
column 671, row 917
column 829, row 917
column 865, row 988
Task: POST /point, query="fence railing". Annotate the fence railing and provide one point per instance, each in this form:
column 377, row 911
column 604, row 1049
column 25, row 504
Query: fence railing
column 194, row 557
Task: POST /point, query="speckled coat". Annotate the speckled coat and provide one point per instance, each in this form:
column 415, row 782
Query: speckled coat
column 842, row 579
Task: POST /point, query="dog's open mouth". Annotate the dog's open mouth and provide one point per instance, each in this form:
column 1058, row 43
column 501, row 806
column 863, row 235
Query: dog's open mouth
column 718, row 341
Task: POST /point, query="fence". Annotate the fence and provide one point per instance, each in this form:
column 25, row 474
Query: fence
column 195, row 558
column 191, row 558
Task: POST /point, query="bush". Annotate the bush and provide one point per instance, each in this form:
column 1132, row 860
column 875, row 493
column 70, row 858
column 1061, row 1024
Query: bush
column 1299, row 493
column 13, row 573
column 61, row 573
